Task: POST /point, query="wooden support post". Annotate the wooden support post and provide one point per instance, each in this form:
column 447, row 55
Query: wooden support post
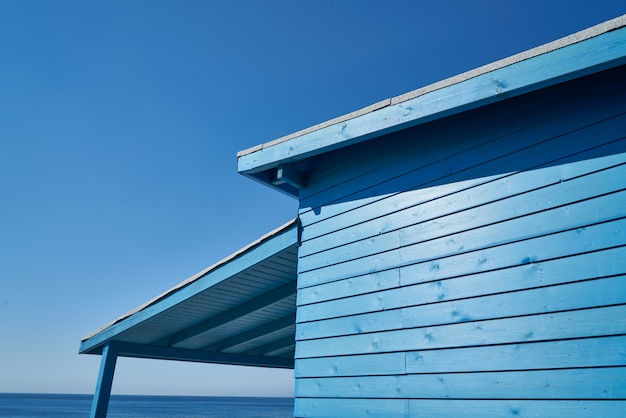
column 105, row 381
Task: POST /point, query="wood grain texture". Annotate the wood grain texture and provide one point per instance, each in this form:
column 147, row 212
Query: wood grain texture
column 516, row 408
column 445, row 408
column 419, row 206
column 591, row 383
column 552, row 236
column 498, row 147
column 431, row 285
column 598, row 322
column 351, row 408
column 477, row 262
column 578, row 353
column 341, row 168
column 585, row 294
column 460, row 214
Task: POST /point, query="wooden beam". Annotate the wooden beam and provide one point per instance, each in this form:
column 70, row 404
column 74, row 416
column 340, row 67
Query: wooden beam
column 255, row 333
column 105, row 381
column 263, row 301
column 273, row 347
column 200, row 356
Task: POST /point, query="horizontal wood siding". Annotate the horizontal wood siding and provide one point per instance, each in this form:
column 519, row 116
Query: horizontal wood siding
column 426, row 408
column 475, row 266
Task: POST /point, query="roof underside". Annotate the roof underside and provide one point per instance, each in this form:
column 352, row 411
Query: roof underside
column 239, row 311
column 281, row 165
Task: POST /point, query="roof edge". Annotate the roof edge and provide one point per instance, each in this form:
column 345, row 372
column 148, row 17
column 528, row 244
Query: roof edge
column 333, row 134
column 339, row 119
column 283, row 228
column 572, row 39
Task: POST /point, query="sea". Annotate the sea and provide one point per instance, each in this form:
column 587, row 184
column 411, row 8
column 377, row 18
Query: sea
column 137, row 406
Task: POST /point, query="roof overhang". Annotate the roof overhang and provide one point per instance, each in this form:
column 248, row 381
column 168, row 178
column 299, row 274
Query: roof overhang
column 239, row 311
column 595, row 49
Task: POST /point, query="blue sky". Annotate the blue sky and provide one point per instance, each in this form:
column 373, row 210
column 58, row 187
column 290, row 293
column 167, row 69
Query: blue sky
column 119, row 125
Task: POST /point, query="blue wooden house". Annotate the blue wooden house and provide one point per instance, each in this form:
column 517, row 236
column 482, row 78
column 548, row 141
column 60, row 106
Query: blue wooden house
column 459, row 251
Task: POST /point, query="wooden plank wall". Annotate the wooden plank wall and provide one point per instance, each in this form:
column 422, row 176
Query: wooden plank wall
column 475, row 266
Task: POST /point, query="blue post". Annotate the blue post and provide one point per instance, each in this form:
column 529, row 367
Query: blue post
column 105, row 381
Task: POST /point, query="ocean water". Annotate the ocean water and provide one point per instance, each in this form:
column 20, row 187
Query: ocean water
column 70, row 406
